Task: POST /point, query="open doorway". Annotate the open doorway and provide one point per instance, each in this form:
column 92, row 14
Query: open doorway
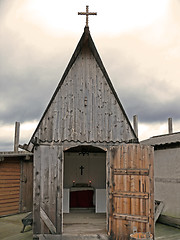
column 84, row 200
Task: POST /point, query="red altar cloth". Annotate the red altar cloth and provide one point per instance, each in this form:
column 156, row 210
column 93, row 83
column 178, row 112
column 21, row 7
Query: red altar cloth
column 81, row 199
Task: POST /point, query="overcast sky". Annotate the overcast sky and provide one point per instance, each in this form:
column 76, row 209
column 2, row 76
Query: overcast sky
column 138, row 41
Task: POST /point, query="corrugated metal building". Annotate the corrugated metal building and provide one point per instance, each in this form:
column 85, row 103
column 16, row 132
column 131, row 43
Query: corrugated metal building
column 16, row 182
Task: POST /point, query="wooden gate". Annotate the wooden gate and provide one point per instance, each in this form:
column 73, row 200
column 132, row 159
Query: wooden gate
column 132, row 190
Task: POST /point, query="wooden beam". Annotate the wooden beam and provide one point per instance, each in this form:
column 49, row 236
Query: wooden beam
column 135, row 124
column 119, row 171
column 170, row 221
column 170, row 127
column 47, row 221
column 134, row 218
column 158, row 210
column 130, row 194
column 16, row 136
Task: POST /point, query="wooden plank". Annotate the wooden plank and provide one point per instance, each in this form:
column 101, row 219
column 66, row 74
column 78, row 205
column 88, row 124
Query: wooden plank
column 8, row 172
column 59, row 191
column 9, row 196
column 142, row 189
column 151, row 188
column 170, row 221
column 47, row 221
column 53, row 186
column 45, row 183
column 130, row 194
column 131, row 172
column 10, row 179
column 37, row 190
column 9, row 200
column 9, row 190
column 9, row 185
column 158, row 211
column 16, row 136
column 108, row 192
column 127, row 185
column 127, row 217
column 27, row 186
column 134, row 164
column 5, row 166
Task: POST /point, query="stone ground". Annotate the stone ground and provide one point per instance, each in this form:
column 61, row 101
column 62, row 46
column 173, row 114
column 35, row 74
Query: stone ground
column 10, row 228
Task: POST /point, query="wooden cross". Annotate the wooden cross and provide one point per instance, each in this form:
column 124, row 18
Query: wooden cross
column 87, row 13
column 81, row 167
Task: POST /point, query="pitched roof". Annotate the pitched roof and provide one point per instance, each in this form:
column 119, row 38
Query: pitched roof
column 163, row 139
column 86, row 41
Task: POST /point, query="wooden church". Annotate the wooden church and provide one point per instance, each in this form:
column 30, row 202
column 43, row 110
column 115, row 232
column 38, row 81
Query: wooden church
column 87, row 155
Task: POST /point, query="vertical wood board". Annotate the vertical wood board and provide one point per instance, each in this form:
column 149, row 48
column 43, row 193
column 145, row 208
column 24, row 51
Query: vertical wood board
column 27, row 186
column 48, row 189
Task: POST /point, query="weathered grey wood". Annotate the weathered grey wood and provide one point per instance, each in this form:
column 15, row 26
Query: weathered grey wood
column 171, row 221
column 84, row 110
column 158, row 211
column 135, row 124
column 101, row 119
column 47, row 221
column 59, row 191
column 16, row 136
column 36, row 191
column 170, row 127
column 108, row 189
column 73, row 236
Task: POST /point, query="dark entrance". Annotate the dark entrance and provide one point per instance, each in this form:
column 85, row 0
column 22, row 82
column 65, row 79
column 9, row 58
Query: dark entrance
column 84, row 187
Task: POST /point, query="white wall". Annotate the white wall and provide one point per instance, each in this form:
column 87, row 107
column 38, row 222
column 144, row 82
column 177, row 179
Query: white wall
column 94, row 169
column 167, row 180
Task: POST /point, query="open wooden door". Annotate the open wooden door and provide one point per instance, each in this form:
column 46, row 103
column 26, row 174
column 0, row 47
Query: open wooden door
column 47, row 197
column 132, row 190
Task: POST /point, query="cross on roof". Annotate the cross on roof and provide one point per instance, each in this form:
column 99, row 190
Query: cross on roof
column 87, row 13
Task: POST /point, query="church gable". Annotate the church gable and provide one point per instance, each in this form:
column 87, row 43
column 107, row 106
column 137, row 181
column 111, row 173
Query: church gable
column 85, row 106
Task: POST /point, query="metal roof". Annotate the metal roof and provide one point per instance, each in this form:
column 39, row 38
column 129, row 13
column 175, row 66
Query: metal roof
column 162, row 139
column 15, row 154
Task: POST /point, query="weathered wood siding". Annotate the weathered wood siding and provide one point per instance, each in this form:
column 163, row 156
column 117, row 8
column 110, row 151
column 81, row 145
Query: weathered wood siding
column 26, row 203
column 10, row 171
column 132, row 190
column 48, row 172
column 85, row 108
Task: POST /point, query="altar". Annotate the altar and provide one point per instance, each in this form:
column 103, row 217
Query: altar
column 81, row 197
column 84, row 197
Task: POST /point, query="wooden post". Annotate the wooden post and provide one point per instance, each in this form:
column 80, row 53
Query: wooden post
column 170, row 128
column 16, row 136
column 135, row 124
